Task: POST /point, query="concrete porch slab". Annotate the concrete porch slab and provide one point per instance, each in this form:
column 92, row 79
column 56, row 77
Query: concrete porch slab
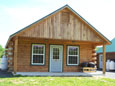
column 72, row 74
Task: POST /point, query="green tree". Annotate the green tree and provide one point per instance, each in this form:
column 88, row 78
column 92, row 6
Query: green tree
column 1, row 51
column 97, row 48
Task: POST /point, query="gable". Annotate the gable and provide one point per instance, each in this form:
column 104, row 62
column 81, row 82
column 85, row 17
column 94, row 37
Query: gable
column 62, row 25
column 60, row 19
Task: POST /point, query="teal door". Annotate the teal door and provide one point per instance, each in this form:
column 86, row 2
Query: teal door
column 101, row 61
column 56, row 58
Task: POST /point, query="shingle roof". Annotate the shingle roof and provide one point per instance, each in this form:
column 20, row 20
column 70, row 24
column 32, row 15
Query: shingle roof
column 109, row 48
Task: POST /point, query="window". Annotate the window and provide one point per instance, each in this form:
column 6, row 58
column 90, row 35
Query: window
column 72, row 55
column 55, row 53
column 38, row 54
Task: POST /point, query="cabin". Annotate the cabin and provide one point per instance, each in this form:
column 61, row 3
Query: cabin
column 58, row 42
column 110, row 54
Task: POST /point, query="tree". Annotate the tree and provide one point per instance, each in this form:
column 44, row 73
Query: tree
column 97, row 48
column 1, row 51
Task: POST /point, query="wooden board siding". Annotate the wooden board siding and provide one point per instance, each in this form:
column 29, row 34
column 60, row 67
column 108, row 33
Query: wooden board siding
column 24, row 55
column 62, row 25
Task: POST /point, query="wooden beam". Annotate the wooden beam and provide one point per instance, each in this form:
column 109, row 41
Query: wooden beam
column 15, row 54
column 104, row 59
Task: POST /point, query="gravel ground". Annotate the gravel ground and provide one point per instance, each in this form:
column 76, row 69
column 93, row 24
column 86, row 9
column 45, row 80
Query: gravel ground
column 110, row 75
column 5, row 74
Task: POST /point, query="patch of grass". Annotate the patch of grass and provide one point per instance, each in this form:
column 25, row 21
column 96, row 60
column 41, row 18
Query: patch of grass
column 0, row 61
column 56, row 81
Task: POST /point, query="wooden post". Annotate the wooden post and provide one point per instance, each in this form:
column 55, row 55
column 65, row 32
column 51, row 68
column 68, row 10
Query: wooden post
column 15, row 54
column 104, row 59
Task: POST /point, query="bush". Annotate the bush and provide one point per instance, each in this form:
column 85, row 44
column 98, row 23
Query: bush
column 1, row 51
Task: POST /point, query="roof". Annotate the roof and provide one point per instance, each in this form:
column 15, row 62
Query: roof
column 66, row 6
column 109, row 48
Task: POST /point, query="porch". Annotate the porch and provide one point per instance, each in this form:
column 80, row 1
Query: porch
column 62, row 74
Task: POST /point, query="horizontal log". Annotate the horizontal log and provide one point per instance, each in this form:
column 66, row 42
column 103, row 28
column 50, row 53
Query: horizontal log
column 10, row 48
column 10, row 53
column 9, row 58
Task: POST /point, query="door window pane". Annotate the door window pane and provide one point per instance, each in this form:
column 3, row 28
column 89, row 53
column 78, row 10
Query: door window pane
column 55, row 53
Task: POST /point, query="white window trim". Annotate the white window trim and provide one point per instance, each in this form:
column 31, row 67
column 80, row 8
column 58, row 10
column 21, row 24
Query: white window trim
column 38, row 54
column 72, row 55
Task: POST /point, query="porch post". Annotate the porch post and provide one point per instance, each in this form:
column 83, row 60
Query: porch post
column 15, row 54
column 104, row 59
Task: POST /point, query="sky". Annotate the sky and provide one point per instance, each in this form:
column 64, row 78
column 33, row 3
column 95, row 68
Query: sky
column 17, row 14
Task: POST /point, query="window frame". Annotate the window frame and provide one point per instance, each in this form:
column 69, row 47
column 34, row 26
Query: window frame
column 67, row 57
column 38, row 54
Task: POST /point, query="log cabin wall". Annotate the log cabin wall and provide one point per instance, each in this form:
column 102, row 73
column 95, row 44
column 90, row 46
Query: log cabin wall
column 62, row 25
column 94, row 58
column 10, row 55
column 24, row 54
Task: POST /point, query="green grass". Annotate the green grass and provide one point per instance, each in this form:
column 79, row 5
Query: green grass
column 0, row 60
column 57, row 81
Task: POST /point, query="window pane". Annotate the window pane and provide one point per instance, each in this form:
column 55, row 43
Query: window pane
column 55, row 53
column 73, row 51
column 72, row 59
column 34, row 51
column 37, row 58
column 38, row 49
